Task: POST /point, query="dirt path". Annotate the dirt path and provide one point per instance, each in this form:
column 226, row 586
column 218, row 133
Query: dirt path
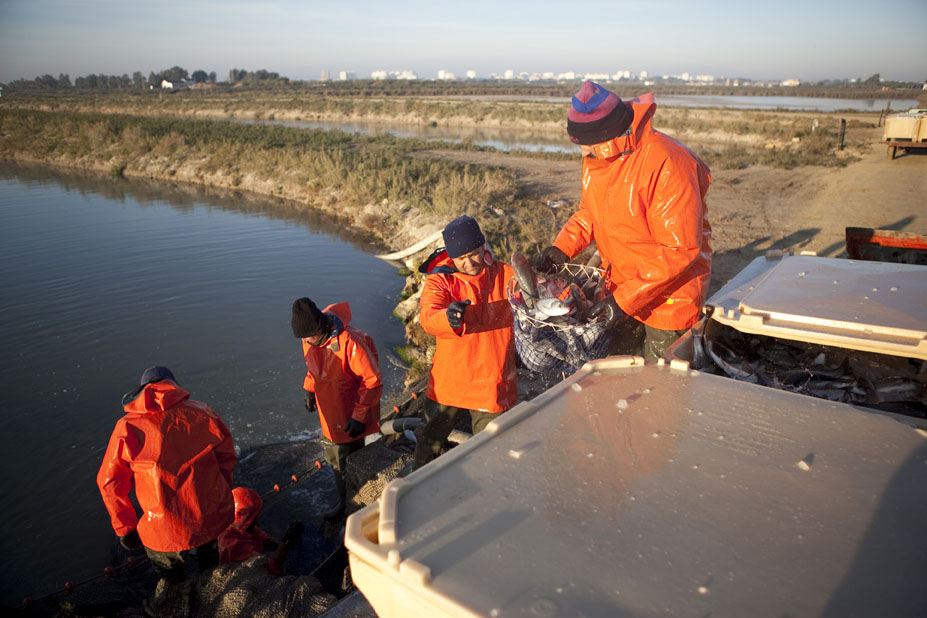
column 759, row 208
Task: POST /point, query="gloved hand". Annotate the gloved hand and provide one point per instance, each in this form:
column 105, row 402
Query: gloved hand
column 549, row 258
column 131, row 541
column 310, row 401
column 455, row 313
column 293, row 533
column 609, row 308
column 355, row 428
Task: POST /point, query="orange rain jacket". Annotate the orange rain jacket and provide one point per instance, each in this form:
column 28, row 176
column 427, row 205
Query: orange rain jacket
column 645, row 210
column 179, row 455
column 241, row 540
column 344, row 374
column 474, row 366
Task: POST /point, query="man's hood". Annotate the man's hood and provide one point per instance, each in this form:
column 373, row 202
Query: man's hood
column 154, row 397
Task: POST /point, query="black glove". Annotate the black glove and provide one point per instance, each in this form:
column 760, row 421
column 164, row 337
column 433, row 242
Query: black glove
column 131, row 541
column 355, row 428
column 293, row 533
column 310, row 401
column 455, row 313
column 609, row 308
column 549, row 258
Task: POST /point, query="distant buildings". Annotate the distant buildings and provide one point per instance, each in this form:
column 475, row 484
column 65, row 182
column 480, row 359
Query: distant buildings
column 622, row 75
column 404, row 74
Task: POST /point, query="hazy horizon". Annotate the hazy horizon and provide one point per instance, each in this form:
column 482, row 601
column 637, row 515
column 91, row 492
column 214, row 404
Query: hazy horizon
column 723, row 38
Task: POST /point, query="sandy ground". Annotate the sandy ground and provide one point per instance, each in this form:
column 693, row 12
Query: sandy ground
column 759, row 208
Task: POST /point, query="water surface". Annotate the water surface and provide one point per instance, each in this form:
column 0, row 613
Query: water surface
column 102, row 278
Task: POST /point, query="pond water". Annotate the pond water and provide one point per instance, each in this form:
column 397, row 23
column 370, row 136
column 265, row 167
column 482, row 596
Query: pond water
column 102, row 278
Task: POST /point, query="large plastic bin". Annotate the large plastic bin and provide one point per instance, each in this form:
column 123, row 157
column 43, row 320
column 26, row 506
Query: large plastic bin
column 798, row 308
column 904, row 127
column 655, row 490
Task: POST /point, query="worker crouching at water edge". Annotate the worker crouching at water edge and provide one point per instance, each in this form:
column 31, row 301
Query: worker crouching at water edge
column 464, row 306
column 179, row 456
column 643, row 203
column 343, row 381
column 245, row 539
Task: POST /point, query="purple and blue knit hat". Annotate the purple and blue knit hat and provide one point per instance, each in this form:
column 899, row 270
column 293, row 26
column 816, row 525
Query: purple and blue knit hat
column 597, row 115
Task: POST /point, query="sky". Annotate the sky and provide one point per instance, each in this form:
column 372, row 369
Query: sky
column 808, row 40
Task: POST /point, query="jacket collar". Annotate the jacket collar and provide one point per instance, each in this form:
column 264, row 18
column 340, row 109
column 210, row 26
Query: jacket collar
column 440, row 262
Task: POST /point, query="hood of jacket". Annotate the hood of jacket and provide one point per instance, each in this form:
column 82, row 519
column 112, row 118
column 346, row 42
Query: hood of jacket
column 247, row 507
column 340, row 314
column 154, row 397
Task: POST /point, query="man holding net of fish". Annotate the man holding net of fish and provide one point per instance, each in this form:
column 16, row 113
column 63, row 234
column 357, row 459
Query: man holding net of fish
column 643, row 204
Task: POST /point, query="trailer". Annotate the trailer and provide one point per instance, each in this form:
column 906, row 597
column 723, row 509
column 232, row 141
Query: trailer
column 907, row 131
column 894, row 145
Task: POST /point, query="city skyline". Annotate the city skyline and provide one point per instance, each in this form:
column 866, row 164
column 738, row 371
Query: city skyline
column 300, row 40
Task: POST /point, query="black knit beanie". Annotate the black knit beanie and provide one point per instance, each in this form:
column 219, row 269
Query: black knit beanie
column 307, row 319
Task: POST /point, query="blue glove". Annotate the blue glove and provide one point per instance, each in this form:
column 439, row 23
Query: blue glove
column 355, row 428
column 609, row 308
column 455, row 313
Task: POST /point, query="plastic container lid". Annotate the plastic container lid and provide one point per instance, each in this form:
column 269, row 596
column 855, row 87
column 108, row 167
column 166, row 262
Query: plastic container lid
column 643, row 490
column 872, row 306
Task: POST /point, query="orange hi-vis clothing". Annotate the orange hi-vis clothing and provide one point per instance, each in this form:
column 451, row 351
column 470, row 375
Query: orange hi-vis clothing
column 242, row 540
column 645, row 209
column 180, row 457
column 474, row 366
column 344, row 374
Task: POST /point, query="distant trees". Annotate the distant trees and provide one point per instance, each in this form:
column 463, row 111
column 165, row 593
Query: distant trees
column 254, row 77
column 173, row 74
column 199, row 76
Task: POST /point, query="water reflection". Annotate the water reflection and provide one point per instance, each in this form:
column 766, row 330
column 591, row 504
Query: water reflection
column 184, row 197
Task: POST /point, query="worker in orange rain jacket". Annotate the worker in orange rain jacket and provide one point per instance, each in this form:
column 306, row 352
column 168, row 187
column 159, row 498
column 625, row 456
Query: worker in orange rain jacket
column 179, row 456
column 643, row 203
column 464, row 306
column 245, row 539
column 343, row 381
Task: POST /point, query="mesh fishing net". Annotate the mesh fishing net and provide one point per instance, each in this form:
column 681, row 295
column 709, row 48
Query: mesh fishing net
column 558, row 348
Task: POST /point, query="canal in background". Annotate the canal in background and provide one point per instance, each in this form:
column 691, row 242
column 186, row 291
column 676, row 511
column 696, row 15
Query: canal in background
column 102, row 278
column 511, row 139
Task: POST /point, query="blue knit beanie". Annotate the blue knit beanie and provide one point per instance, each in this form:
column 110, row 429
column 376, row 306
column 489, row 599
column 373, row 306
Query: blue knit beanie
column 462, row 235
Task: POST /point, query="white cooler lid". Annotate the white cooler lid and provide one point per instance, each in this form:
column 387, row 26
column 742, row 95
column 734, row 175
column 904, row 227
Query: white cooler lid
column 871, row 306
column 650, row 490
